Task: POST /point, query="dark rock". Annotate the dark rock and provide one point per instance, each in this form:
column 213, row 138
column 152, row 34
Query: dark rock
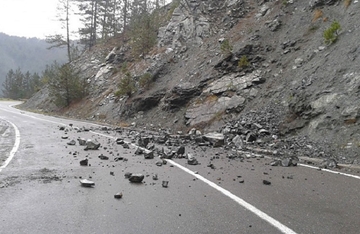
column 148, row 154
column 125, row 145
column 143, row 141
column 103, row 157
column 251, row 137
column 266, row 182
column 118, row 195
column 64, row 137
column 159, row 163
column 180, row 150
column 165, row 183
column 62, row 128
column 191, row 160
column 118, row 159
column 84, row 162
column 90, row 145
column 120, row 141
column 136, row 178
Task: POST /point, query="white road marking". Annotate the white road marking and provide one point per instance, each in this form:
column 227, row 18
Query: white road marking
column 334, row 172
column 281, row 227
column 15, row 147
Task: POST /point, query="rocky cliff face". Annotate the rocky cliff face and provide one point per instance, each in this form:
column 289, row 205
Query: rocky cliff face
column 295, row 94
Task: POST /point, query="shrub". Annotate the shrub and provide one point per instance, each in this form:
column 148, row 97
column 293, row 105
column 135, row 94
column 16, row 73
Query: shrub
column 243, row 62
column 126, row 86
column 226, row 47
column 331, row 34
column 145, row 80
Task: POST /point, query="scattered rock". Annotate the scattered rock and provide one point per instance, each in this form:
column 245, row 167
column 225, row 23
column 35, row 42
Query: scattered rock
column 148, row 154
column 118, row 159
column 155, row 177
column 180, row 150
column 215, row 139
column 90, row 145
column 126, row 145
column 159, row 163
column 118, row 195
column 64, row 137
column 81, row 141
column 165, row 183
column 84, row 162
column 191, row 160
column 103, row 157
column 136, row 178
column 87, row 183
column 328, row 163
column 266, row 182
column 72, row 142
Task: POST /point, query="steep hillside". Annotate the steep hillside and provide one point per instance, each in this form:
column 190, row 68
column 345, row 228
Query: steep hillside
column 291, row 93
column 28, row 54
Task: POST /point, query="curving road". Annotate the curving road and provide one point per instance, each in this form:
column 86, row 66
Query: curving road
column 40, row 190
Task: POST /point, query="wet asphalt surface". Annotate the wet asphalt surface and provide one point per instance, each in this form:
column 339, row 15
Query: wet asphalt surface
column 40, row 190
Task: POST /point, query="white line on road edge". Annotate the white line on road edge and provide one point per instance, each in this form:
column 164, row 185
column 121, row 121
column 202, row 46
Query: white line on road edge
column 334, row 172
column 262, row 215
column 15, row 147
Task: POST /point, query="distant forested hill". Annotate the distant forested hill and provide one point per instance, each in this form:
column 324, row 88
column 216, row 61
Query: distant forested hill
column 28, row 54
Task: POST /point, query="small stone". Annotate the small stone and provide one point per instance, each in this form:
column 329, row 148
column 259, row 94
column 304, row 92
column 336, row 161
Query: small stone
column 165, row 183
column 180, row 150
column 136, row 178
column 64, row 137
column 87, row 183
column 155, row 177
column 112, row 173
column 72, row 142
column 120, row 141
column 159, row 163
column 81, row 141
column 84, row 162
column 192, row 160
column 62, row 128
column 118, row 195
column 118, row 159
column 126, row 145
column 90, row 145
column 266, row 182
column 103, row 157
column 148, row 154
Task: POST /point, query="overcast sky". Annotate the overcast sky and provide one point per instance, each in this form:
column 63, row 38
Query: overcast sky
column 29, row 18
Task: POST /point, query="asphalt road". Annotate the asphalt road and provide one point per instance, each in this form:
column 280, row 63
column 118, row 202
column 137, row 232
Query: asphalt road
column 40, row 190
